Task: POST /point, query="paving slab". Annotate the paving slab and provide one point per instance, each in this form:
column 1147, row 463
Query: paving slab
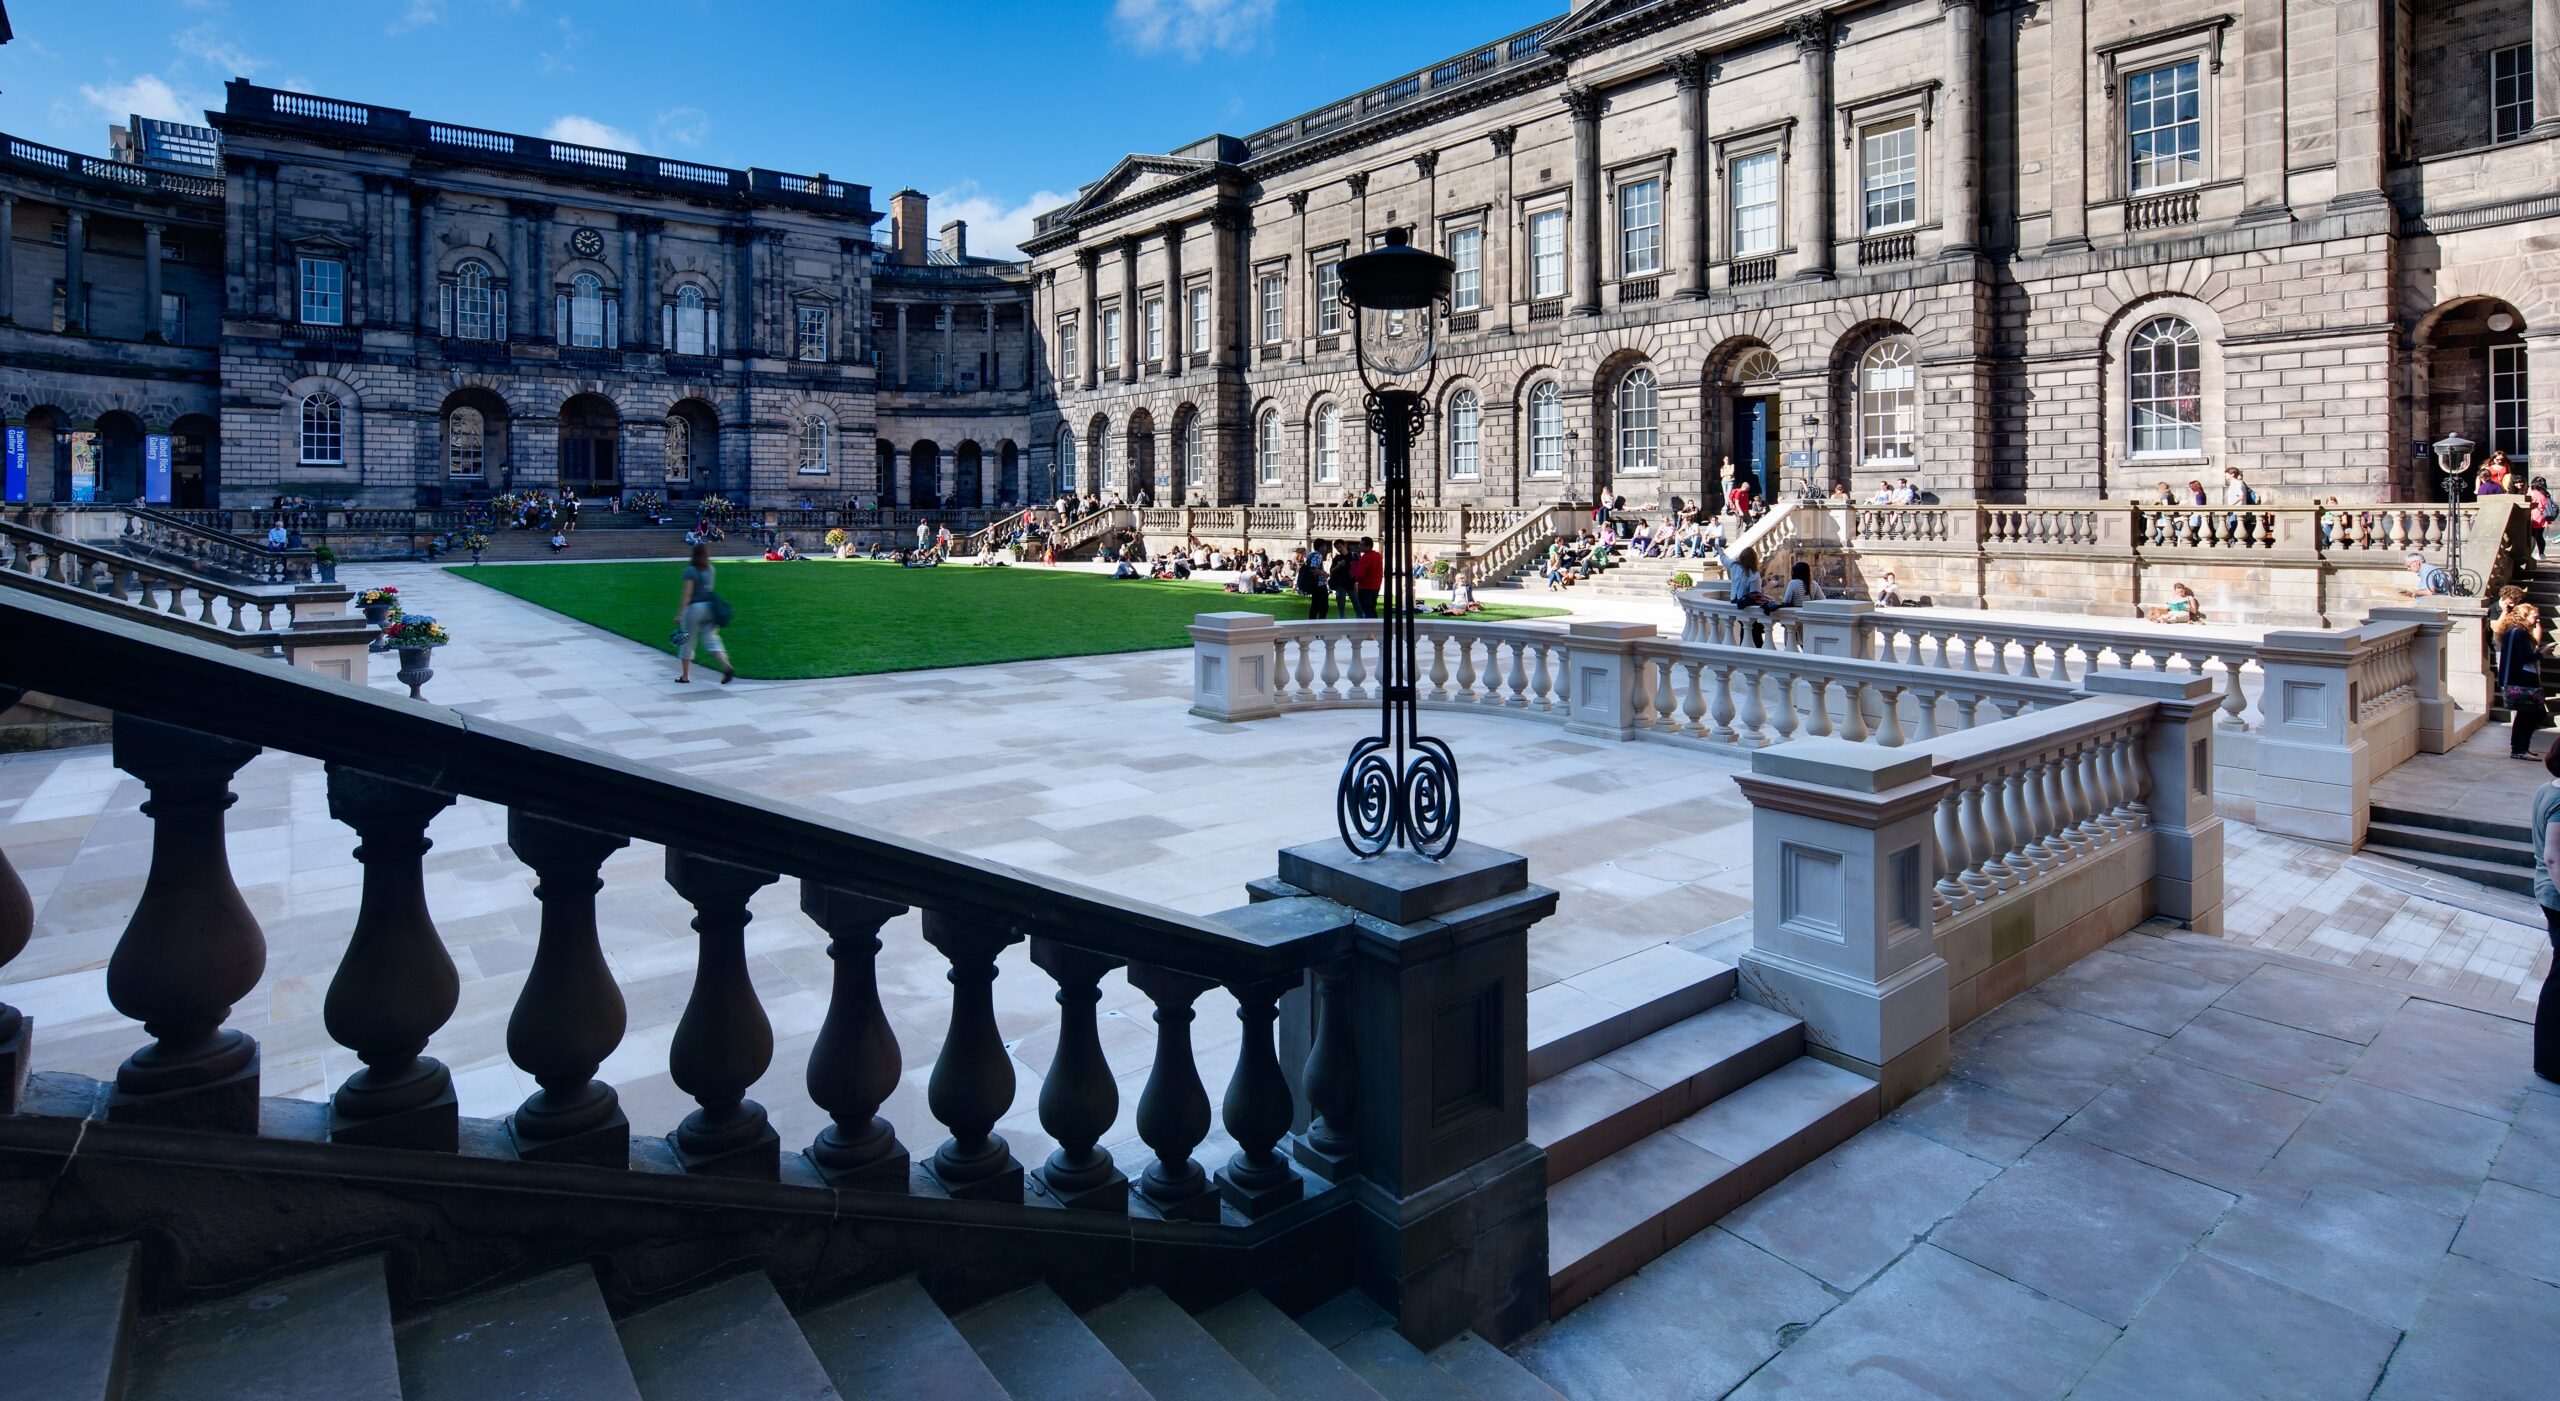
column 2531, row 1155
column 2262, row 1052
column 1993, row 1125
column 2453, row 1056
column 1938, row 1326
column 2366, row 1136
column 2314, row 1002
column 1689, row 1327
column 2485, row 1334
column 2147, row 994
column 2094, row 1229
column 2513, row 1229
column 1853, row 1211
column 2192, row 1121
column 2219, row 1331
column 2046, row 1054
column 2357, row 1248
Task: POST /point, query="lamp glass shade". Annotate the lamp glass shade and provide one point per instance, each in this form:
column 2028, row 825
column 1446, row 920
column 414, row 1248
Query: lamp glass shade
column 1396, row 276
column 1395, row 343
column 2453, row 452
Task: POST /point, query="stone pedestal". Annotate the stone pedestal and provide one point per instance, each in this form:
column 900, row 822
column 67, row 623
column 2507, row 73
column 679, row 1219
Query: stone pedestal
column 2177, row 757
column 1232, row 655
column 2442, row 722
column 1451, row 1231
column 1836, row 627
column 1602, row 676
column 1842, row 854
column 2313, row 766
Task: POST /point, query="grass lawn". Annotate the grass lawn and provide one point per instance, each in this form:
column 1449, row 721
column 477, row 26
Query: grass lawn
column 856, row 617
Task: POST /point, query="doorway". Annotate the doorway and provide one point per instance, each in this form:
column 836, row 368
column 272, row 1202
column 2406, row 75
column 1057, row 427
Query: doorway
column 590, row 430
column 1753, row 417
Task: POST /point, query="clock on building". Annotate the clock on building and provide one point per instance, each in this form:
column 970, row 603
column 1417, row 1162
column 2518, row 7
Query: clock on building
column 587, row 243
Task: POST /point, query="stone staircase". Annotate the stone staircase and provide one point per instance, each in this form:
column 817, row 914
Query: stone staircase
column 1663, row 1102
column 591, row 543
column 72, row 1329
column 1649, row 578
column 2495, row 854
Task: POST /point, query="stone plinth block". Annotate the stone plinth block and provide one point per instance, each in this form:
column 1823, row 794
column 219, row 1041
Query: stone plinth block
column 1232, row 660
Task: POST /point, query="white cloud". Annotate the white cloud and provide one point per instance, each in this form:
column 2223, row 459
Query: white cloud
column 418, row 15
column 587, row 131
column 1190, row 27
column 996, row 228
column 206, row 44
column 146, row 95
column 681, row 126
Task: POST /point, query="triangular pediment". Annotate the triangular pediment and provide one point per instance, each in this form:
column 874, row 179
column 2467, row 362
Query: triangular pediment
column 1135, row 176
column 1595, row 14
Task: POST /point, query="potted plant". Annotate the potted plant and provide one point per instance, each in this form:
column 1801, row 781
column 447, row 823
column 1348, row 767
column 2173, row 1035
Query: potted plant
column 413, row 636
column 1683, row 580
column 835, row 542
column 325, row 561
column 475, row 542
column 378, row 603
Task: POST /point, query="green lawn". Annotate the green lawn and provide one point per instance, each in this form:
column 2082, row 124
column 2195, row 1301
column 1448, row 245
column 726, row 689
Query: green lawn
column 856, row 617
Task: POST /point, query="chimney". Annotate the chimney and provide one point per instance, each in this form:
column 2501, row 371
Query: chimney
column 955, row 240
column 906, row 227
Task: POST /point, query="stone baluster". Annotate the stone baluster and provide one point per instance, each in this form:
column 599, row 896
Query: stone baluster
column 1693, row 701
column 1539, row 682
column 1817, row 714
column 1948, row 822
column 17, row 926
column 2071, row 793
column 1853, row 711
column 1516, row 688
column 1721, row 709
column 972, row 1084
column 723, row 1038
column 853, row 1066
column 1332, row 674
column 191, row 948
column 1257, row 1179
column 395, row 984
column 1173, row 1110
column 1359, row 667
column 1981, row 843
column 1889, row 720
column 1078, row 1100
column 1753, row 721
column 1330, row 1145
column 569, row 1015
column 2018, row 814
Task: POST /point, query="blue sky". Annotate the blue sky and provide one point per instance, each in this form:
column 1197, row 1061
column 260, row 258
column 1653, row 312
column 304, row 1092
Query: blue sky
column 997, row 109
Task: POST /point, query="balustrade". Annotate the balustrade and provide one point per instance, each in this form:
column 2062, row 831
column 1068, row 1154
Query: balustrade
column 208, row 550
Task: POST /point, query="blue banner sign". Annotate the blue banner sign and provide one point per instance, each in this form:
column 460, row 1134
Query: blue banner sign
column 84, row 466
column 16, row 450
column 155, row 468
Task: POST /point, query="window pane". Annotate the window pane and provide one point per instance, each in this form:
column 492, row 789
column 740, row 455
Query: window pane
column 473, row 308
column 1546, row 431
column 1465, row 425
column 1267, row 446
column 1328, row 298
column 2510, row 92
column 323, row 433
column 1640, row 228
column 324, row 291
column 1067, row 352
column 1546, row 255
column 692, row 323
column 812, row 333
column 1329, row 444
column 1272, row 307
column 2507, row 384
column 1199, row 318
column 1639, row 432
column 2164, row 127
column 1889, row 405
column 173, row 318
column 1755, row 205
column 465, row 443
column 1466, row 249
column 1892, row 171
column 586, row 312
column 2164, row 382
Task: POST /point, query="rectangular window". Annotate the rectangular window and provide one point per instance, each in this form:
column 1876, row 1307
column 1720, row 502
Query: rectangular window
column 1466, row 249
column 2507, row 431
column 324, row 292
column 1640, row 228
column 1067, row 350
column 1199, row 318
column 811, row 343
column 1546, row 254
column 173, row 318
column 1754, row 186
column 1328, row 298
column 1155, row 328
column 2510, row 92
column 1110, row 340
column 2164, row 127
column 1889, row 159
column 1274, row 303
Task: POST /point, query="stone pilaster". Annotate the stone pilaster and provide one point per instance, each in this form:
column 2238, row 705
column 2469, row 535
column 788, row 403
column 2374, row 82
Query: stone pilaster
column 151, row 280
column 2067, row 50
column 1689, row 80
column 1585, row 105
column 2363, row 117
column 1960, row 132
column 8, row 258
column 1809, row 183
column 75, row 307
column 2263, row 115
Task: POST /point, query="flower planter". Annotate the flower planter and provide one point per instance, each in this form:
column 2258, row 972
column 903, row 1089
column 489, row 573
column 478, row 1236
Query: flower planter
column 376, row 614
column 328, row 572
column 414, row 671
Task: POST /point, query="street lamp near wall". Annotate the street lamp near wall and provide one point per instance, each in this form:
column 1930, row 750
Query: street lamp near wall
column 1399, row 787
column 2453, row 455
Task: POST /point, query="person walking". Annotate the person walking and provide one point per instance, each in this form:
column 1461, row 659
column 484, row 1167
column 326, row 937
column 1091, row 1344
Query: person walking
column 1311, row 582
column 700, row 614
column 2546, row 859
column 2518, row 631
column 1368, row 577
column 1340, row 575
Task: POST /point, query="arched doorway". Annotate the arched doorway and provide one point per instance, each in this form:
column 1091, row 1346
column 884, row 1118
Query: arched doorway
column 924, row 475
column 195, row 462
column 1008, row 473
column 2473, row 380
column 119, row 457
column 590, row 435
column 689, row 464
column 1141, row 458
column 1743, row 395
column 967, row 477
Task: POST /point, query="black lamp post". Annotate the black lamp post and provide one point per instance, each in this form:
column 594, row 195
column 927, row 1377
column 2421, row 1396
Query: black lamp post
column 2453, row 454
column 1400, row 786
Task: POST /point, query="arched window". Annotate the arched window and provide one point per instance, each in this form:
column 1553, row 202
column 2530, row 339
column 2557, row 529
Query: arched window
column 474, row 302
column 813, row 445
column 1466, row 423
column 465, row 445
column 1100, row 437
column 586, row 311
column 1187, row 470
column 679, row 459
column 324, row 441
column 1329, row 444
column 1066, row 459
column 1889, row 406
column 692, row 330
column 1639, row 423
column 1266, row 448
column 1756, row 367
column 2164, row 380
column 1546, row 430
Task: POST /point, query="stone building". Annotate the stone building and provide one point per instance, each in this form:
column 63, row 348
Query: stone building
column 2010, row 249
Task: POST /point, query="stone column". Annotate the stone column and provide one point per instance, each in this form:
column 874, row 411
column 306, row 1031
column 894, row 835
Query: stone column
column 2363, row 118
column 2546, row 66
column 2263, row 115
column 948, row 315
column 422, row 210
column 995, row 372
column 1298, row 286
column 151, row 281
column 1689, row 78
column 403, row 258
column 1030, row 352
column 1843, row 847
column 2068, row 116
column 1585, row 104
column 1226, row 285
column 1088, row 325
column 1177, row 319
column 8, row 259
column 538, row 264
column 74, row 305
column 1960, row 133
column 902, row 346
column 1502, row 243
column 522, row 290
column 1809, row 186
column 743, row 340
column 1130, row 330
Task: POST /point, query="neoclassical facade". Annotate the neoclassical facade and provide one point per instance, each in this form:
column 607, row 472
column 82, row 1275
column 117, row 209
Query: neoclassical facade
column 2008, row 249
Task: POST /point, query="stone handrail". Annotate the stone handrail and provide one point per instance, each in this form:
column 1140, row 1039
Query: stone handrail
column 2030, row 796
column 147, row 531
column 994, row 532
column 219, row 604
column 1088, row 529
column 1523, row 533
column 2377, row 532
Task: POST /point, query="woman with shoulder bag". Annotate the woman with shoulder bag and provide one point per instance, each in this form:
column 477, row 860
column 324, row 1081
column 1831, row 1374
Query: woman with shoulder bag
column 700, row 614
column 2519, row 642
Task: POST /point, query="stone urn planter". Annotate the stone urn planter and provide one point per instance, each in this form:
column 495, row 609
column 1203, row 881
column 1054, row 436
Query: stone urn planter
column 328, row 571
column 375, row 614
column 414, row 671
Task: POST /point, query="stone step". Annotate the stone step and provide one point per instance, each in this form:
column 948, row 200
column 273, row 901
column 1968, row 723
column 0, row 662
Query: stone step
column 894, row 1341
column 2448, row 822
column 1596, row 1012
column 1281, row 1354
column 731, row 1339
column 1038, row 1350
column 1364, row 1336
column 1621, row 1213
column 1605, row 1104
column 1488, row 1372
column 2497, row 851
column 1170, row 1353
column 65, row 1325
column 549, row 1338
column 2497, row 875
column 321, row 1336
